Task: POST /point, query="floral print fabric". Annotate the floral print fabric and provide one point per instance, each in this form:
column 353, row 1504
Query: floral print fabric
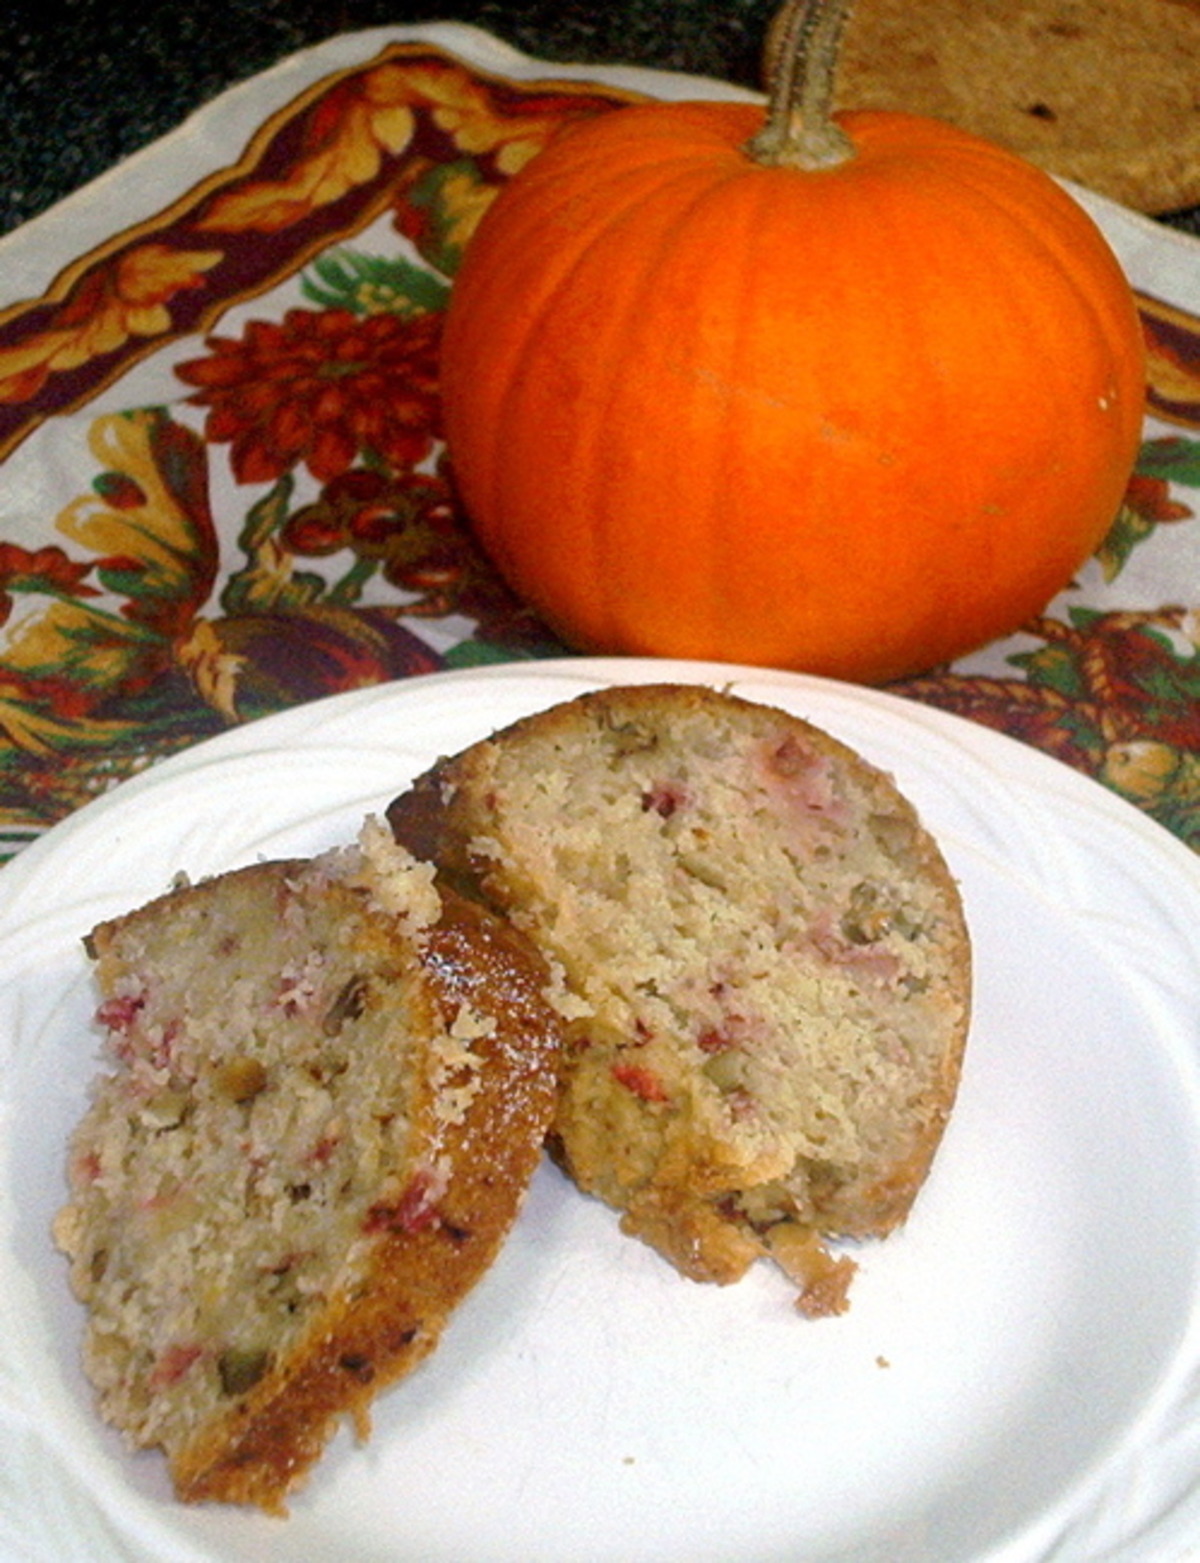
column 224, row 492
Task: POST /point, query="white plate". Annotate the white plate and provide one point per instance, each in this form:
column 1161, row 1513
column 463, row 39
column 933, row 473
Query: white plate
column 1017, row 1377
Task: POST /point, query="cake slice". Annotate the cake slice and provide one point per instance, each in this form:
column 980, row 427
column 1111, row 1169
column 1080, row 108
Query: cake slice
column 330, row 1084
column 765, row 957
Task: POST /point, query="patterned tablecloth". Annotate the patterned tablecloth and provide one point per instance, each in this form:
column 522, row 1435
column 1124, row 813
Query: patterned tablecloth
column 222, row 490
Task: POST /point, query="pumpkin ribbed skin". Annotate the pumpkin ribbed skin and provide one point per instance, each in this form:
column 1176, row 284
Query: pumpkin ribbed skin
column 855, row 421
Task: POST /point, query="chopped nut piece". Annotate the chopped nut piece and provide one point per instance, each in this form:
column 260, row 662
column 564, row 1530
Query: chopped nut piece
column 240, row 1368
column 349, row 1005
column 870, row 914
column 165, row 1111
column 241, row 1078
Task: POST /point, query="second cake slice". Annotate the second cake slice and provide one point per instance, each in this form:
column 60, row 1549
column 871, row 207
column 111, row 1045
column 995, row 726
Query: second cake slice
column 328, row 1086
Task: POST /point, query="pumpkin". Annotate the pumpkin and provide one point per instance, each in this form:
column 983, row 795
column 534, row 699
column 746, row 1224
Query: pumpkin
column 850, row 394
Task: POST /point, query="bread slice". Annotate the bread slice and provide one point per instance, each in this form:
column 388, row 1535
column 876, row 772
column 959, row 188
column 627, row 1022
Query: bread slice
column 330, row 1085
column 766, row 956
column 1105, row 92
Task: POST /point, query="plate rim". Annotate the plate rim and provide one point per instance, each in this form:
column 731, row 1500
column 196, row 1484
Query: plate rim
column 1036, row 770
column 1035, row 766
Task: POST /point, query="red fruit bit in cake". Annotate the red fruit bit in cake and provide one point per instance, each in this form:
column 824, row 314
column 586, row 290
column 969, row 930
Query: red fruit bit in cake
column 172, row 1364
column 414, row 1210
column 85, row 1169
column 740, row 1104
column 664, row 798
column 714, row 1041
column 162, row 1199
column 322, row 1151
column 803, row 780
column 870, row 961
column 299, row 986
column 162, row 1044
column 641, row 1081
column 130, row 1039
column 120, row 1013
column 736, row 1028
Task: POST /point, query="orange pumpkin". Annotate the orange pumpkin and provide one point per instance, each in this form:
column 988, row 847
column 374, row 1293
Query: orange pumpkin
column 853, row 410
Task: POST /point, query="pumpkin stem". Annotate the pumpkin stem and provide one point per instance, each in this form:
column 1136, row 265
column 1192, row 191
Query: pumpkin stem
column 799, row 131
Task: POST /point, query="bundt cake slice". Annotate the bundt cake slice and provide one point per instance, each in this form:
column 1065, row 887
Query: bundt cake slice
column 330, row 1084
column 766, row 957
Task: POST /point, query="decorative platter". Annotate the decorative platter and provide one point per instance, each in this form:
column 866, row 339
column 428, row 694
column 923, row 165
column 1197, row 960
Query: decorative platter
column 1017, row 1378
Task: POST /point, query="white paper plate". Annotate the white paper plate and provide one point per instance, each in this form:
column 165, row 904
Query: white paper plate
column 1017, row 1377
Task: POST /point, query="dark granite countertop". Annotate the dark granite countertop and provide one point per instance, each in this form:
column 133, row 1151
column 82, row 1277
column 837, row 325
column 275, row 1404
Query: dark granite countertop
column 86, row 82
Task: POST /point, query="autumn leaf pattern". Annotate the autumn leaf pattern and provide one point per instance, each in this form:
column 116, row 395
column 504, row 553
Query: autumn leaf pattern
column 283, row 524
